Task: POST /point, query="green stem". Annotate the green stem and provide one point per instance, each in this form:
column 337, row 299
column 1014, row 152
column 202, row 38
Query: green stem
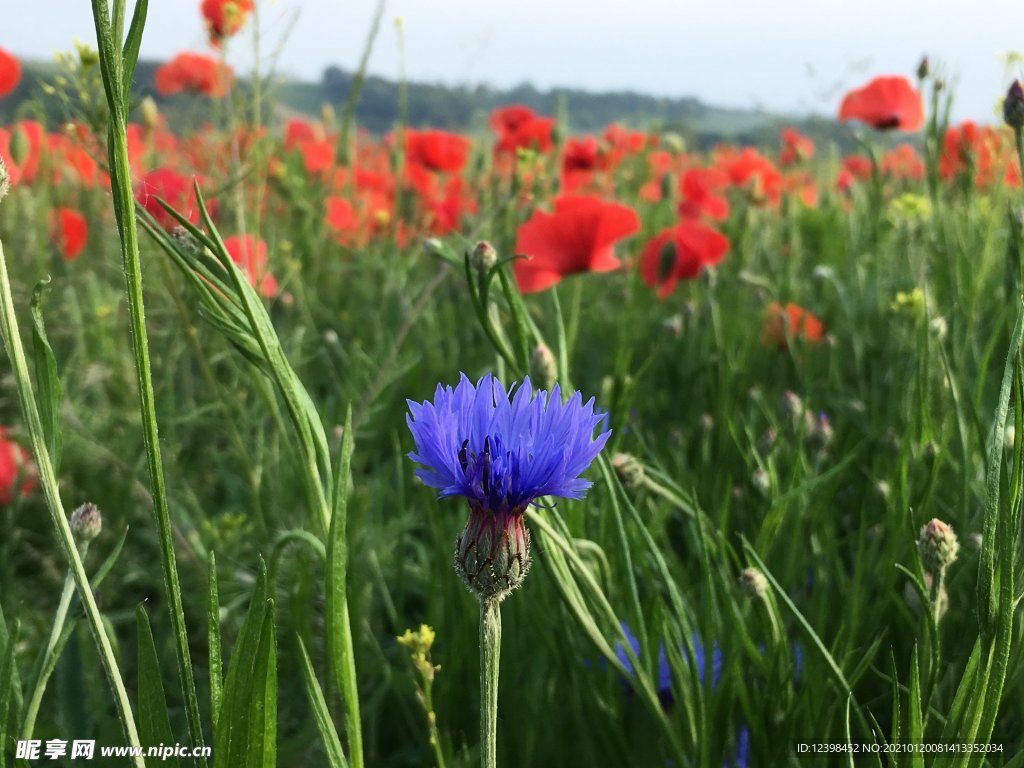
column 490, row 650
column 48, row 661
column 435, row 737
column 124, row 207
column 48, row 483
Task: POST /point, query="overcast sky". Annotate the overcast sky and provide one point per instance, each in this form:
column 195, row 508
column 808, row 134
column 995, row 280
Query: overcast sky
column 794, row 56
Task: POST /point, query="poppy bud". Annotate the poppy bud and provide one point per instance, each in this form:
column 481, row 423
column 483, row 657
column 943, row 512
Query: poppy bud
column 667, row 185
column 492, row 555
column 484, row 257
column 1013, row 106
column 922, row 68
column 150, row 113
column 20, row 146
column 629, row 469
column 543, row 369
column 937, row 545
column 328, row 117
column 86, row 522
column 754, row 583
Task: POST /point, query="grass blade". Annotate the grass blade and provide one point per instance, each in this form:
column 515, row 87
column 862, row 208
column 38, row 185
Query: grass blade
column 154, row 724
column 47, row 377
column 324, row 723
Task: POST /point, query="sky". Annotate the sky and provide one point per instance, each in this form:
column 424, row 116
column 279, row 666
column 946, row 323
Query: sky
column 790, row 56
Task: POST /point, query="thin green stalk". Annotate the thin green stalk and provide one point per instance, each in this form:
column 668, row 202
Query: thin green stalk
column 490, row 650
column 48, row 660
column 112, row 63
column 434, row 735
column 48, row 483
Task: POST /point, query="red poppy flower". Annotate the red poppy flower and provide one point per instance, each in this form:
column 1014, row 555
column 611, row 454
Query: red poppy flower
column 858, row 166
column 176, row 190
column 341, row 219
column 510, row 118
column 902, row 162
column 679, row 253
column 579, row 236
column 796, row 147
column 437, row 150
column 518, row 127
column 250, row 254
column 297, row 132
column 70, row 232
column 445, row 210
column 884, row 103
column 223, row 18
column 700, row 189
column 799, row 323
column 802, row 185
column 581, row 158
column 753, row 173
column 194, row 73
column 15, row 464
column 10, row 73
column 624, row 142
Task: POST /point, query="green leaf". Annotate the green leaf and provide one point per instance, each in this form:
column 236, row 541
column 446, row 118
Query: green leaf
column 108, row 563
column 340, row 654
column 130, row 52
column 154, row 724
column 7, row 682
column 213, row 642
column 47, row 377
column 896, row 723
column 324, row 723
column 262, row 738
column 915, row 722
column 231, row 738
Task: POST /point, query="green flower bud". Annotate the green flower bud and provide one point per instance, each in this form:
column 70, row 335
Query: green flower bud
column 484, row 257
column 629, row 469
column 754, row 583
column 543, row 369
column 492, row 555
column 86, row 522
column 937, row 545
column 1013, row 106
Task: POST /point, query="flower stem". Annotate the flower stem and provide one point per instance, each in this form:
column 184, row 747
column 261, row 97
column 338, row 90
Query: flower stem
column 490, row 650
column 48, row 660
column 48, row 484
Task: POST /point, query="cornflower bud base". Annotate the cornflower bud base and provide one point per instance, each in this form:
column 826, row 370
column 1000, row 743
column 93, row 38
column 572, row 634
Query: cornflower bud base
column 492, row 554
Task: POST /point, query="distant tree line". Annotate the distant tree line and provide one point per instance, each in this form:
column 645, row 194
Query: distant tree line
column 454, row 107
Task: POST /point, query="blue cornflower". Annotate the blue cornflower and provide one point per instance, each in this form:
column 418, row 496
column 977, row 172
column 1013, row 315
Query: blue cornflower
column 502, row 450
column 664, row 671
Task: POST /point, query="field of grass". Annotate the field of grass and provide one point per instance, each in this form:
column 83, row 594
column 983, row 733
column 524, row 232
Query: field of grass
column 803, row 532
